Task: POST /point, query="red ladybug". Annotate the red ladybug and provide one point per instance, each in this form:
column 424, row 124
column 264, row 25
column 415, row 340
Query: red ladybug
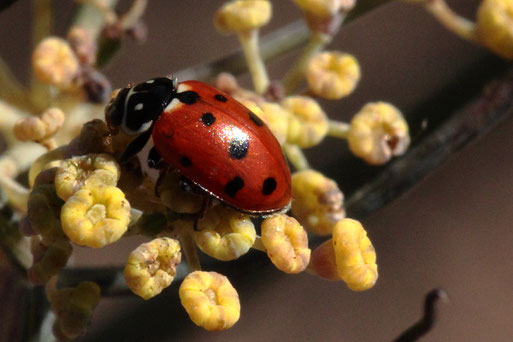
column 210, row 138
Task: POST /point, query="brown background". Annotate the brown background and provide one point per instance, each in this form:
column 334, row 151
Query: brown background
column 451, row 230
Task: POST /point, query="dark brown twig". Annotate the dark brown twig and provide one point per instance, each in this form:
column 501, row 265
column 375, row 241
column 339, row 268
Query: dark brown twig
column 426, row 323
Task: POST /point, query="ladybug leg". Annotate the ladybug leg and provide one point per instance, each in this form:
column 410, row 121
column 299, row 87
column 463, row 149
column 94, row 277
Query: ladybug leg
column 200, row 215
column 136, row 145
column 154, row 158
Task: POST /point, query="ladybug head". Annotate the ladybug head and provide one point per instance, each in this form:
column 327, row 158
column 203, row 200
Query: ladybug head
column 134, row 109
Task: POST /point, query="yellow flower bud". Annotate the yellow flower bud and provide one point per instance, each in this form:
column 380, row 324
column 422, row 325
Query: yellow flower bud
column 39, row 128
column 242, row 15
column 308, row 124
column 333, row 75
column 95, row 216
column 90, row 169
column 210, row 300
column 73, row 307
column 54, row 62
column 325, row 8
column 225, row 234
column 286, row 243
column 355, row 255
column 317, row 201
column 173, row 195
column 378, row 132
column 277, row 119
column 151, row 267
column 495, row 26
column 323, row 261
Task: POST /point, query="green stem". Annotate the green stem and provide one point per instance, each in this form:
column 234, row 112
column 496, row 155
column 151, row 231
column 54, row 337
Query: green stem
column 296, row 157
column 134, row 14
column 295, row 75
column 453, row 22
column 249, row 42
column 91, row 18
column 338, row 129
column 185, row 232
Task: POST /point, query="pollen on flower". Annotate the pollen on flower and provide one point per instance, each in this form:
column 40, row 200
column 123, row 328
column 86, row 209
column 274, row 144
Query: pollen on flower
column 308, row 124
column 495, row 26
column 355, row 255
column 318, row 202
column 91, row 169
column 39, row 128
column 151, row 267
column 54, row 62
column 225, row 234
column 378, row 132
column 95, row 216
column 286, row 243
column 333, row 75
column 242, row 15
column 210, row 300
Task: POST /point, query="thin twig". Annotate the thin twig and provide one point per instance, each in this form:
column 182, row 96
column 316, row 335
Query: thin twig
column 425, row 324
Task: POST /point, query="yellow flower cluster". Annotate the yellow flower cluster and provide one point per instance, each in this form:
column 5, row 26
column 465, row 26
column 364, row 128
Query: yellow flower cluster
column 242, row 15
column 378, row 132
column 317, row 201
column 151, row 267
column 210, row 300
column 96, row 212
column 39, row 128
column 286, row 243
column 225, row 234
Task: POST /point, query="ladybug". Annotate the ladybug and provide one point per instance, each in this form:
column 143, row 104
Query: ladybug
column 207, row 136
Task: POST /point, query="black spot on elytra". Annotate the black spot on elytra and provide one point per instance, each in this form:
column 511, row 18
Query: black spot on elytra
column 208, row 119
column 233, row 186
column 269, row 186
column 255, row 119
column 188, row 97
column 238, row 148
column 185, row 161
column 220, row 98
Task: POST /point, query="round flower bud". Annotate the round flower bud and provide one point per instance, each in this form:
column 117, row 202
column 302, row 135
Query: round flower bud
column 242, row 15
column 333, row 75
column 286, row 243
column 39, row 128
column 210, row 300
column 378, row 132
column 95, row 216
column 308, row 124
column 325, row 8
column 90, row 169
column 54, row 62
column 225, row 234
column 495, row 26
column 317, row 201
column 355, row 255
column 277, row 119
column 52, row 259
column 323, row 261
column 151, row 267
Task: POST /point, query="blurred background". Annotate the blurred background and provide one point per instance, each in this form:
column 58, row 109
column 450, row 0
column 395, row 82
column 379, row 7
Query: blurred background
column 451, row 230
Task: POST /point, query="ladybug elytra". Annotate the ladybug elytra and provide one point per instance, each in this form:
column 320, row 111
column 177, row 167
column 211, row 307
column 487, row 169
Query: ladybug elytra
column 209, row 137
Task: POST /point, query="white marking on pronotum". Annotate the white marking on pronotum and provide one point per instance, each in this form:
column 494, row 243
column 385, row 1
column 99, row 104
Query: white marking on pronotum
column 150, row 81
column 139, row 106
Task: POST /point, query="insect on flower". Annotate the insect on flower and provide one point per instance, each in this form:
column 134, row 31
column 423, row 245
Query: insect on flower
column 207, row 136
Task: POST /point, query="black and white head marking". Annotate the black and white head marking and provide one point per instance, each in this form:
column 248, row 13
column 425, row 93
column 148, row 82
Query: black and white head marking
column 145, row 102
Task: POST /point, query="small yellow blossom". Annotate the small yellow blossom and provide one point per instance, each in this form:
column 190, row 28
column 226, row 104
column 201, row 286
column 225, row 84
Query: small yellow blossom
column 54, row 62
column 242, row 15
column 317, row 201
column 90, row 169
column 73, row 307
column 210, row 300
column 277, row 119
column 52, row 260
column 95, row 216
column 286, row 243
column 355, row 255
column 323, row 261
column 378, row 132
column 325, row 8
column 308, row 124
column 39, row 128
column 225, row 234
column 495, row 26
column 175, row 197
column 151, row 267
column 333, row 75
